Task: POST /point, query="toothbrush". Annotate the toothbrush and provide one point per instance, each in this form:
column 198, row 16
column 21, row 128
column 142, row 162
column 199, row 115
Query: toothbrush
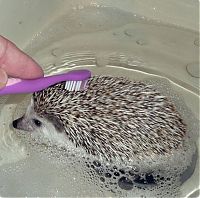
column 75, row 80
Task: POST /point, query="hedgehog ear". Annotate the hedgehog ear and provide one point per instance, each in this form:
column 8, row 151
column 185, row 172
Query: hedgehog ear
column 55, row 121
column 31, row 105
column 32, row 101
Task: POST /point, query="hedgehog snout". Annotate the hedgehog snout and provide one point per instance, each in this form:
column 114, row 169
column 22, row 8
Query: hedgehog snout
column 22, row 124
column 16, row 122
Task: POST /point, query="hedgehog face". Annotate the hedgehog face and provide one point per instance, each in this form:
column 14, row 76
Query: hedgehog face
column 46, row 125
column 32, row 122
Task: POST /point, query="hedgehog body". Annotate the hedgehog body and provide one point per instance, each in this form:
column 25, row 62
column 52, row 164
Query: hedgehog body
column 114, row 118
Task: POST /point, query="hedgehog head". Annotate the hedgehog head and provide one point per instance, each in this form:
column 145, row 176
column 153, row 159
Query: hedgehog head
column 45, row 124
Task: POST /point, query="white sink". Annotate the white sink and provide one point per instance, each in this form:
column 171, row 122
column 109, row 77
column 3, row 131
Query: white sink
column 153, row 38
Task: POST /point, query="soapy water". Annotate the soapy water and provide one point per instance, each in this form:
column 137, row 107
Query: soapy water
column 30, row 166
column 72, row 168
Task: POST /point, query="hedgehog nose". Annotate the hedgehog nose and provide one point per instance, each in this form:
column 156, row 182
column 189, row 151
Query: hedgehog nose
column 15, row 122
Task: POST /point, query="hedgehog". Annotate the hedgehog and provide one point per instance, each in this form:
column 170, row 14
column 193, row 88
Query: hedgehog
column 114, row 118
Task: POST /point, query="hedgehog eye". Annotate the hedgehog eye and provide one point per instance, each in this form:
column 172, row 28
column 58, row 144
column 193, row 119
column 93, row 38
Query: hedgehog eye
column 37, row 122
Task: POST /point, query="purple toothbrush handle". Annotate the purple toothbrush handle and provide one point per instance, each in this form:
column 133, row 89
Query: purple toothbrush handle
column 30, row 86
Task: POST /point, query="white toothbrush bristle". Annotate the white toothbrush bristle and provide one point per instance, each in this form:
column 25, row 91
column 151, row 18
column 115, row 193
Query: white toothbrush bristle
column 71, row 84
column 85, row 83
column 78, row 85
column 66, row 84
column 75, row 85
